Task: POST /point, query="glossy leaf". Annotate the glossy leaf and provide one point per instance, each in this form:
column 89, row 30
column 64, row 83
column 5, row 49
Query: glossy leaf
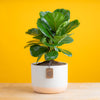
column 53, row 20
column 49, row 20
column 39, row 58
column 63, row 40
column 37, row 50
column 70, row 34
column 56, row 49
column 33, row 31
column 72, row 25
column 61, row 29
column 30, row 44
column 33, row 41
column 39, row 37
column 66, row 52
column 67, row 27
column 51, row 55
column 44, row 28
column 44, row 41
column 42, row 14
column 66, row 13
column 58, row 19
column 66, row 40
column 59, row 50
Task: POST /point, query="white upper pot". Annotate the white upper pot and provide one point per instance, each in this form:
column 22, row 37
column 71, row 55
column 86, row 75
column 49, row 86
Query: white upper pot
column 56, row 84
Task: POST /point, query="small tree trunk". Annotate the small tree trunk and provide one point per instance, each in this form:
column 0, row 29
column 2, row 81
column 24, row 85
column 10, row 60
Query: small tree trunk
column 50, row 62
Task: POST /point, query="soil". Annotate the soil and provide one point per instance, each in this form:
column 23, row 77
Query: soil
column 51, row 63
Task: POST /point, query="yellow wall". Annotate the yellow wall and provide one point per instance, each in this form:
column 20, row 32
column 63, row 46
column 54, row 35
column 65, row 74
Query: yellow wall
column 16, row 17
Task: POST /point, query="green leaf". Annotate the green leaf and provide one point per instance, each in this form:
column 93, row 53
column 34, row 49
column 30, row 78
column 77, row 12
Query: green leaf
column 37, row 50
column 51, row 55
column 61, row 29
column 39, row 37
column 58, row 19
column 66, row 52
column 66, row 13
column 56, row 49
column 33, row 41
column 42, row 14
column 44, row 41
column 58, row 41
column 66, row 40
column 49, row 20
column 59, row 50
column 62, row 40
column 67, row 27
column 44, row 28
column 30, row 44
column 53, row 20
column 39, row 58
column 33, row 31
column 72, row 25
column 70, row 34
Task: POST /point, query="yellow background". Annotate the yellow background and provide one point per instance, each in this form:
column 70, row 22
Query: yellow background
column 16, row 17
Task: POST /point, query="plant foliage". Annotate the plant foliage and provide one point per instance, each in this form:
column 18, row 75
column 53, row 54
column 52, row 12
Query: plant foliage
column 52, row 30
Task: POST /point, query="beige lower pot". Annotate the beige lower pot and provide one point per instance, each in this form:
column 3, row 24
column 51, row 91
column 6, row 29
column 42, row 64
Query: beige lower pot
column 54, row 84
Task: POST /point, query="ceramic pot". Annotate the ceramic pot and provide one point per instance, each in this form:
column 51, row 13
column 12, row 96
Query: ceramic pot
column 56, row 84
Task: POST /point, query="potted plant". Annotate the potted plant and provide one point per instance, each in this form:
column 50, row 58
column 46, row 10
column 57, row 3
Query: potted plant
column 53, row 30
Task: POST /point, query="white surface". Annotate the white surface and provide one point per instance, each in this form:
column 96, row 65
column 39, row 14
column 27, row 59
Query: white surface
column 60, row 76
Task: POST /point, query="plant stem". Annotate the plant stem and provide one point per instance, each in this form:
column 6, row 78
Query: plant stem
column 50, row 62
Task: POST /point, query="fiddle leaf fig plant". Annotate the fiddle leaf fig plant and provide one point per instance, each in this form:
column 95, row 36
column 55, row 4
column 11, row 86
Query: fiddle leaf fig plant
column 53, row 30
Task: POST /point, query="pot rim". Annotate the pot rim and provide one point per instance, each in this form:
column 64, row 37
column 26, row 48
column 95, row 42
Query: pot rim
column 50, row 65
